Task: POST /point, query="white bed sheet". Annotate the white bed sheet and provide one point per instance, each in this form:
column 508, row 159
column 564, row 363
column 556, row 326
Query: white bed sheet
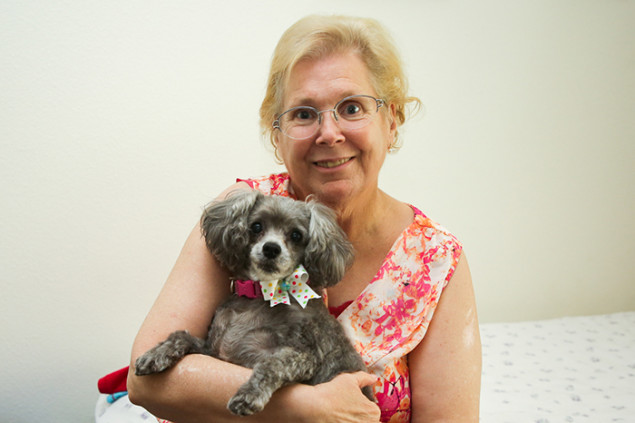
column 574, row 369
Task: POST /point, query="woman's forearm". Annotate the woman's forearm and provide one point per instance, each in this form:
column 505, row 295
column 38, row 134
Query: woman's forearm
column 198, row 388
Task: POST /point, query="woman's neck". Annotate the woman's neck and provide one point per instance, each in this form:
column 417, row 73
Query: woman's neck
column 362, row 218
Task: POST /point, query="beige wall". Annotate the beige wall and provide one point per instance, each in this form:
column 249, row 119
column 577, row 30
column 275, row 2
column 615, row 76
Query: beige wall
column 119, row 120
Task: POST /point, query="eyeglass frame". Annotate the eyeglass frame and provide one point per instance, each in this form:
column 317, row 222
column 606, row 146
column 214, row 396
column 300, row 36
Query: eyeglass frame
column 276, row 123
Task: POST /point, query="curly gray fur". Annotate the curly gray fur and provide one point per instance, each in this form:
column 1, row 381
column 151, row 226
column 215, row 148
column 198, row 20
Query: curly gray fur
column 283, row 344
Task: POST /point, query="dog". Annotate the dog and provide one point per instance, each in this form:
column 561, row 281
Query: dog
column 267, row 239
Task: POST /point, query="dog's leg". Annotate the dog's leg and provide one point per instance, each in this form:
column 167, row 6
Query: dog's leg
column 168, row 352
column 281, row 368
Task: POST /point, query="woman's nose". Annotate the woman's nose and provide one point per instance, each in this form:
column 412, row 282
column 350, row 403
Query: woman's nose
column 329, row 131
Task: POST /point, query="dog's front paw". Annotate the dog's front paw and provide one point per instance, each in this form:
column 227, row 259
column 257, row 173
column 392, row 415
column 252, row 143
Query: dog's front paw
column 247, row 401
column 168, row 352
column 154, row 361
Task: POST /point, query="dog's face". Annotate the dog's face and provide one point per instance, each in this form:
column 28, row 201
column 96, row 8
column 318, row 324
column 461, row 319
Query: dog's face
column 278, row 233
column 262, row 238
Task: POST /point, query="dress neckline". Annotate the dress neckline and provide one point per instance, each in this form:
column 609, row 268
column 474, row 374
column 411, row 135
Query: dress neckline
column 338, row 310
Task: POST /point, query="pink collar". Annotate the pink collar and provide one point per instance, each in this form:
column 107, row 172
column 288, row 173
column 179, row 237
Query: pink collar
column 247, row 288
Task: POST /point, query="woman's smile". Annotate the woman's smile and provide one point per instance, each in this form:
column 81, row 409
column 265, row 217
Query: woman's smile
column 330, row 164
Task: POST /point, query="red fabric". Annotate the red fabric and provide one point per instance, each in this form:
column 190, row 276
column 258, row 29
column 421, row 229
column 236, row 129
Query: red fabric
column 114, row 382
column 336, row 311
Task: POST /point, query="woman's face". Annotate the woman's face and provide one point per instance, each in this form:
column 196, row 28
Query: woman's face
column 334, row 164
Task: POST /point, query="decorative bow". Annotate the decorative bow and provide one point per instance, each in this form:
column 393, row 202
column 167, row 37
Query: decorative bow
column 278, row 291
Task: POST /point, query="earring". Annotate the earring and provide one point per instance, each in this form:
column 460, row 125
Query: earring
column 276, row 155
column 393, row 145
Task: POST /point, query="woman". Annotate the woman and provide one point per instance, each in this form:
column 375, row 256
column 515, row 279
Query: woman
column 336, row 97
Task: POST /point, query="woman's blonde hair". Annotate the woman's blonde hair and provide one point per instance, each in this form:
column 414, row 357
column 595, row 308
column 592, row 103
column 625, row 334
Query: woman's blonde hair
column 315, row 37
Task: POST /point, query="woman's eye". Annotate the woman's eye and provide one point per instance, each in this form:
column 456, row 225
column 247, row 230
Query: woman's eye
column 351, row 109
column 304, row 114
column 256, row 227
column 296, row 236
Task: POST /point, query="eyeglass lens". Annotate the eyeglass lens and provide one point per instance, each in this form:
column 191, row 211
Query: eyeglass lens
column 350, row 113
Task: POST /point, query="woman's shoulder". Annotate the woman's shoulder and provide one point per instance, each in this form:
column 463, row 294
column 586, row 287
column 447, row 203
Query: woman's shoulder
column 427, row 229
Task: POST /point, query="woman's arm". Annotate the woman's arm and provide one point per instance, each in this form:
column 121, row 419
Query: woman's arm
column 195, row 287
column 198, row 388
column 445, row 369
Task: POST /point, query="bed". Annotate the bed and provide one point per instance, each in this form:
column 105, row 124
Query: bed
column 574, row 369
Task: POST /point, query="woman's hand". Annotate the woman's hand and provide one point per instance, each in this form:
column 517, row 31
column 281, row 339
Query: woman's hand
column 341, row 400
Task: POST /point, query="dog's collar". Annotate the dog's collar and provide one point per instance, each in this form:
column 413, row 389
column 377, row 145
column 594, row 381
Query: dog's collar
column 247, row 288
column 278, row 291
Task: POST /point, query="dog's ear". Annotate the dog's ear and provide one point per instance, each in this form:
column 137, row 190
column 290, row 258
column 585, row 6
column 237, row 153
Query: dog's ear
column 328, row 253
column 224, row 225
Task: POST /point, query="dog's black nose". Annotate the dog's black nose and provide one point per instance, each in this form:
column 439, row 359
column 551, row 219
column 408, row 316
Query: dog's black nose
column 271, row 250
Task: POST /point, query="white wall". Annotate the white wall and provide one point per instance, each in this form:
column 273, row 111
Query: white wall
column 119, row 120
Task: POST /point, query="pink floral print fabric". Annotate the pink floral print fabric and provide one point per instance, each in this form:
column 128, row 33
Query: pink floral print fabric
column 391, row 316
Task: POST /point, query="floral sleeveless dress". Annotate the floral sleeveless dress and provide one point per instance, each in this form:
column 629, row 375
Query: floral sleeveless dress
column 391, row 316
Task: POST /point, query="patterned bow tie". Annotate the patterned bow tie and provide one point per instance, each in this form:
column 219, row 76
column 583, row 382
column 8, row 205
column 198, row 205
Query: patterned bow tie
column 295, row 285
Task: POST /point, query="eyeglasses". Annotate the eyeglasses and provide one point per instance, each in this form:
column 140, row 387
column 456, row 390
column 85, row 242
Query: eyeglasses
column 352, row 112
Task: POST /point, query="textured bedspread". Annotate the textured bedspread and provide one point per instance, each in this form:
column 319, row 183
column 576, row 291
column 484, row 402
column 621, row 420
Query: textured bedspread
column 576, row 369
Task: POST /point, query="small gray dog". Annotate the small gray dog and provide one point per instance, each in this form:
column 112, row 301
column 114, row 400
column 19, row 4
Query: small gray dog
column 262, row 240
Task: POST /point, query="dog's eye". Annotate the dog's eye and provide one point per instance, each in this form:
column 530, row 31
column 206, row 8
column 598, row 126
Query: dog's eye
column 296, row 236
column 256, row 227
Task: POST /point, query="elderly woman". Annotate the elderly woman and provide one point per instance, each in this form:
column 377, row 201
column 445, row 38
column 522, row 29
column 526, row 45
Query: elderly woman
column 335, row 99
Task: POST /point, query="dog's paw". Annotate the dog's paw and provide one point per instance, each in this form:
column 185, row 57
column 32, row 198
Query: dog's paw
column 154, row 361
column 247, row 402
column 168, row 353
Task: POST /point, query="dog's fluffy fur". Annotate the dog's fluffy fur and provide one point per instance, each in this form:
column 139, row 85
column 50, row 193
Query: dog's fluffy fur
column 262, row 237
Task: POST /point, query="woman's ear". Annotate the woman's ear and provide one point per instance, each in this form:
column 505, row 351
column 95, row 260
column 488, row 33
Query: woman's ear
column 392, row 127
column 393, row 117
column 328, row 253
